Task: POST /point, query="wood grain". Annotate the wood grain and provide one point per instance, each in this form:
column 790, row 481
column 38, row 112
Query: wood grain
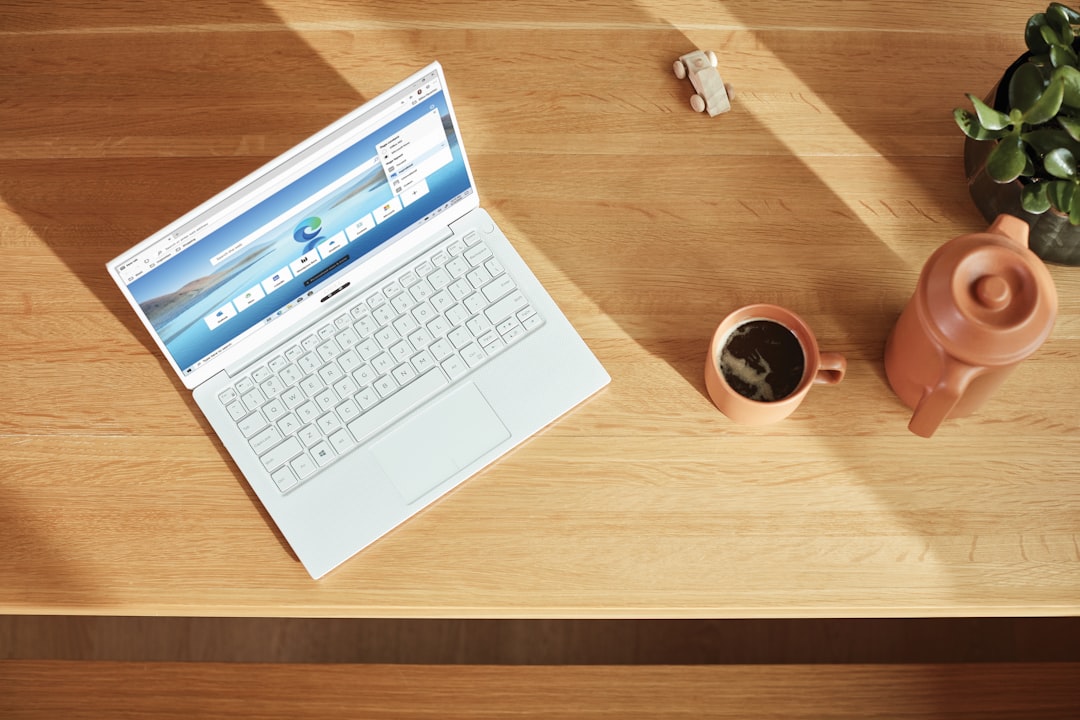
column 264, row 691
column 825, row 189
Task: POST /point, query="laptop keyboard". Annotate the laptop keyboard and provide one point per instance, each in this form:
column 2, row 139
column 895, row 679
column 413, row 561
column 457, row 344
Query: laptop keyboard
column 339, row 382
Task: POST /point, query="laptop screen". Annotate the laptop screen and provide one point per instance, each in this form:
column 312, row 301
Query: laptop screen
column 278, row 238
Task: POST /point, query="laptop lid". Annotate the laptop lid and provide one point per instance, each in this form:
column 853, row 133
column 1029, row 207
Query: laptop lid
column 255, row 261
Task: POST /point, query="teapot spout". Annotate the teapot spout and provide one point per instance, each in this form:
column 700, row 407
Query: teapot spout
column 1012, row 228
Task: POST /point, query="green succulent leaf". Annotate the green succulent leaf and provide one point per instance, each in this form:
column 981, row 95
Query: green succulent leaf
column 1060, row 163
column 1026, row 86
column 1047, row 106
column 989, row 118
column 1060, row 193
column 1049, row 35
column 1007, row 159
column 1045, row 139
column 1074, row 209
column 1033, row 34
column 1034, row 199
column 1072, row 127
column 1070, row 79
column 969, row 123
column 1059, row 20
column 1071, row 16
column 1062, row 56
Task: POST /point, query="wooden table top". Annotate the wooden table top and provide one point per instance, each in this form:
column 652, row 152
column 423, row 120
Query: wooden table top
column 825, row 189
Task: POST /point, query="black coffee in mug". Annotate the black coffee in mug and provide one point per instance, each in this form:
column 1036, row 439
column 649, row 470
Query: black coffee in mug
column 762, row 360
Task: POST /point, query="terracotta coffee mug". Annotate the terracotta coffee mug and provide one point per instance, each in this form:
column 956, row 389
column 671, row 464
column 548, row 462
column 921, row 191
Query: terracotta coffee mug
column 762, row 361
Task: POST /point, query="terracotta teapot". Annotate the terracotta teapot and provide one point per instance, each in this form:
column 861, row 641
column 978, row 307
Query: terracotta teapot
column 984, row 302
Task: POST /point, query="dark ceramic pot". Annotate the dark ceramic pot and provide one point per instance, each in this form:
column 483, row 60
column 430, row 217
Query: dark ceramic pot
column 1053, row 238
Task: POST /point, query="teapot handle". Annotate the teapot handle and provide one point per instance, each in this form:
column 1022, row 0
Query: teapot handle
column 937, row 402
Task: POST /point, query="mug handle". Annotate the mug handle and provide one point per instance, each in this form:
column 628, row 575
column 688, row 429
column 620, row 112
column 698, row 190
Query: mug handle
column 831, row 369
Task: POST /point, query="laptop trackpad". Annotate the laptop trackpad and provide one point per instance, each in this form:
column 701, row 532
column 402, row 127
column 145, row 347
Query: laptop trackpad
column 428, row 448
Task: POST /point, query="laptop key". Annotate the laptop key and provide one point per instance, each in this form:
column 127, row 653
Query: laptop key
column 341, row 441
column 454, row 366
column 251, row 424
column 348, row 410
column 284, row 478
column 323, row 454
column 403, row 373
column 293, row 398
column 288, row 424
column 498, row 287
column 473, row 355
column 253, row 400
column 281, row 454
column 274, row 410
column 328, row 423
column 385, row 386
column 477, row 257
column 368, row 398
column 307, row 412
column 310, row 435
column 265, row 439
column 303, row 466
column 513, row 334
column 236, row 410
column 506, row 307
column 365, row 375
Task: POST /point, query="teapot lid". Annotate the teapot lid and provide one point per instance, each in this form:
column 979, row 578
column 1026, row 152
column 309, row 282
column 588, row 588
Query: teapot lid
column 987, row 298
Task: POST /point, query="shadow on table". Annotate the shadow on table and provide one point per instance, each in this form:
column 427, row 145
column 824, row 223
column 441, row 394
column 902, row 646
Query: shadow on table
column 123, row 116
column 44, row 570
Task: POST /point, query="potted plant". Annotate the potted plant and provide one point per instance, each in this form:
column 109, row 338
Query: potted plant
column 1022, row 153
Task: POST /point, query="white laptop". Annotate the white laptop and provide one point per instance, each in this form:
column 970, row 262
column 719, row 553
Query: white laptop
column 357, row 330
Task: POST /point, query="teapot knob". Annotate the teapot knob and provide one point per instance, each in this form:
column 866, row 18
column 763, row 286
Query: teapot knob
column 992, row 292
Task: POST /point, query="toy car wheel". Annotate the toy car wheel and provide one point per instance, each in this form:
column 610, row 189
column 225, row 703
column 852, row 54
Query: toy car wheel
column 698, row 103
column 712, row 58
column 680, row 69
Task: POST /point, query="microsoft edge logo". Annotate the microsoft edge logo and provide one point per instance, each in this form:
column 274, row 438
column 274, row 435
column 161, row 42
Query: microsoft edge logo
column 308, row 232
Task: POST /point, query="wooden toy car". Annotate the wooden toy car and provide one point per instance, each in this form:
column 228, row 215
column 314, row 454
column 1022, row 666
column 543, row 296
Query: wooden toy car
column 710, row 91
